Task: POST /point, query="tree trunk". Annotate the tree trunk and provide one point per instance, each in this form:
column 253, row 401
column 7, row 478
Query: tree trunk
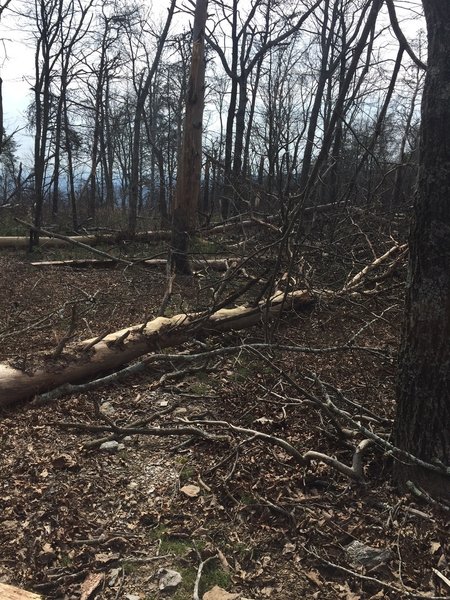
column 423, row 409
column 188, row 180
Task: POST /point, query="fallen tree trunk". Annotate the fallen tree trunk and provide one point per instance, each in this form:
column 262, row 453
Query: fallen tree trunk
column 121, row 347
column 15, row 241
column 153, row 263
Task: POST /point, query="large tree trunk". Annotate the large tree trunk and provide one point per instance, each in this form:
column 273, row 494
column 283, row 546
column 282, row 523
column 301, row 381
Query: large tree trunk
column 422, row 424
column 123, row 346
column 188, row 178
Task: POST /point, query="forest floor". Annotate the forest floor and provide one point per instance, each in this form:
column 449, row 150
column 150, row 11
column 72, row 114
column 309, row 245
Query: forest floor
column 76, row 518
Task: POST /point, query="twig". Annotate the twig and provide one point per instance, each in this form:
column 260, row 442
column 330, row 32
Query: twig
column 120, row 585
column 199, row 575
column 441, row 576
column 389, row 586
column 424, row 496
column 95, row 341
column 144, row 560
column 138, row 423
column 69, row 335
column 156, row 431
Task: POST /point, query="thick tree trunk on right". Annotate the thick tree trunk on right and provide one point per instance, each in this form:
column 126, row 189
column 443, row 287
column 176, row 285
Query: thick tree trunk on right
column 423, row 414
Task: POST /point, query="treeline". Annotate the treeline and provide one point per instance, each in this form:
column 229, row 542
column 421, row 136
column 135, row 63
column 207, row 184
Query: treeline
column 306, row 102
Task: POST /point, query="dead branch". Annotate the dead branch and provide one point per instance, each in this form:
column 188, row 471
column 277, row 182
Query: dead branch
column 387, row 446
column 357, row 280
column 425, row 496
column 69, row 335
column 354, row 472
column 404, row 592
column 284, row 444
column 201, row 566
column 134, row 424
column 156, row 431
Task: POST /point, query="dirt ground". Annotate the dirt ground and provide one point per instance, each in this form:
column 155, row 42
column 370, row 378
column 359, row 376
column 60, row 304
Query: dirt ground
column 77, row 519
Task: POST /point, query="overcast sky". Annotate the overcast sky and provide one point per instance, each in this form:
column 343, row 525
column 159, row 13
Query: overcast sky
column 17, row 65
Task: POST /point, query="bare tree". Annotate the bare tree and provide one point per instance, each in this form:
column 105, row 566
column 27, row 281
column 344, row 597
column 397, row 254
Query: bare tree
column 189, row 170
column 143, row 89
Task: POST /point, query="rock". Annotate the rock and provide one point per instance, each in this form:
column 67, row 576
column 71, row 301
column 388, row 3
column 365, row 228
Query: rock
column 108, row 409
column 367, row 556
column 132, row 597
column 114, row 576
column 168, row 579
column 112, row 446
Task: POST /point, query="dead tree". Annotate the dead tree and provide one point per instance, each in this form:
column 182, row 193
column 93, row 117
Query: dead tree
column 188, row 182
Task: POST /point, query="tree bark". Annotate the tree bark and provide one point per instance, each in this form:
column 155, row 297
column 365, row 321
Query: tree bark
column 188, row 180
column 422, row 423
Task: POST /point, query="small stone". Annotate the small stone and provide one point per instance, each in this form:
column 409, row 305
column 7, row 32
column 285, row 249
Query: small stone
column 132, row 597
column 168, row 579
column 367, row 556
column 113, row 576
column 108, row 409
column 112, row 446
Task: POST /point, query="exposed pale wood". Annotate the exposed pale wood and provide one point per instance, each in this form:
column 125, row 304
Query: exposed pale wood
column 10, row 592
column 121, row 347
column 84, row 263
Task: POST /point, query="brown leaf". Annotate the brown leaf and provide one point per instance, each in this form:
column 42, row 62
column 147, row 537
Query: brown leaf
column 192, row 491
column 218, row 593
column 314, row 577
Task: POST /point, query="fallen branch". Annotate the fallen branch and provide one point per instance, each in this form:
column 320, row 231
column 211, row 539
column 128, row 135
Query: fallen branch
column 201, row 566
column 156, row 431
column 207, row 355
column 216, row 264
column 404, row 592
column 74, row 241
